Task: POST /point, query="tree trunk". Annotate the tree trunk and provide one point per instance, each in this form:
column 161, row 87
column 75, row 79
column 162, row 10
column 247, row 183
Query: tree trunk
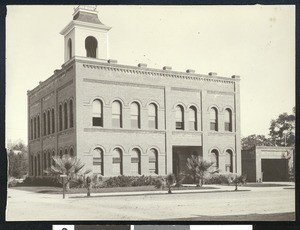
column 236, row 187
column 169, row 191
column 200, row 182
column 88, row 190
column 67, row 185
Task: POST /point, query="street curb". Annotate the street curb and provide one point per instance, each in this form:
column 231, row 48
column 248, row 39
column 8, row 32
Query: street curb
column 157, row 193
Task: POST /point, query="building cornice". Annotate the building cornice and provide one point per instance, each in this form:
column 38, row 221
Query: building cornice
column 101, row 65
column 79, row 24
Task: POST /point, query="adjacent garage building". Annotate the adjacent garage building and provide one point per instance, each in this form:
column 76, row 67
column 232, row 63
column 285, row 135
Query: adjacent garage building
column 267, row 163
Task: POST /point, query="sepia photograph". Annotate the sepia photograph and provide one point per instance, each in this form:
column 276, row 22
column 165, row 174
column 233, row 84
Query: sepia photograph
column 150, row 113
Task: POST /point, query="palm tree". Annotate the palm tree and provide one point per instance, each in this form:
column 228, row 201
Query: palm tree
column 238, row 180
column 170, row 180
column 197, row 169
column 66, row 165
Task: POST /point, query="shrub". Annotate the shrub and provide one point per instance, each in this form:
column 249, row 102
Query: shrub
column 97, row 182
column 12, row 182
column 159, row 183
column 41, row 181
column 219, row 179
column 129, row 181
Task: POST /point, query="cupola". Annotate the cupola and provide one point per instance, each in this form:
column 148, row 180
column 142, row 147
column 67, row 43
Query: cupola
column 86, row 36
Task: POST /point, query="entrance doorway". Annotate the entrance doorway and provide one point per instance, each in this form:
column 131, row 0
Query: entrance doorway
column 275, row 169
column 180, row 156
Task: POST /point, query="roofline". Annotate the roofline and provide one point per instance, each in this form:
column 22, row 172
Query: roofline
column 273, row 147
column 105, row 63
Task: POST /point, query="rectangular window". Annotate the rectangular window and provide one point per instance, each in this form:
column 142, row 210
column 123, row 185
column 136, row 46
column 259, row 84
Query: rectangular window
column 97, row 121
column 213, row 126
column 116, row 121
column 97, row 165
column 179, row 125
column 135, row 165
column 152, row 123
column 227, row 127
column 152, row 168
column 134, row 122
column 192, row 125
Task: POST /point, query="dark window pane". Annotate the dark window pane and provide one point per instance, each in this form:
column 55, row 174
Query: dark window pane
column 97, row 121
column 228, row 127
column 179, row 125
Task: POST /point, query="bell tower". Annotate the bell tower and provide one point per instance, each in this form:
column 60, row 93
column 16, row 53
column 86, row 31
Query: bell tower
column 86, row 36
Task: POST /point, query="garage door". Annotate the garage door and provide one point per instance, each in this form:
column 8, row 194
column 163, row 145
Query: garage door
column 275, row 169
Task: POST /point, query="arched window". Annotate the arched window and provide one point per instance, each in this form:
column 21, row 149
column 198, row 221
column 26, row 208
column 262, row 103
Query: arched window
column 152, row 116
column 228, row 120
column 70, row 48
column 45, row 123
column 66, row 115
column 45, row 160
column 31, row 129
column 193, row 118
column 39, row 165
column 91, row 45
column 49, row 159
column 66, row 151
column 117, row 161
column 135, row 161
column 213, row 119
column 116, row 114
column 38, row 125
column 31, row 165
column 135, row 115
column 215, row 158
column 53, row 120
column 72, row 152
column 179, row 117
column 153, row 166
column 97, row 113
column 60, row 120
column 60, row 153
column 35, row 166
column 98, row 161
column 34, row 128
column 71, row 114
column 228, row 160
column 53, row 155
column 48, row 122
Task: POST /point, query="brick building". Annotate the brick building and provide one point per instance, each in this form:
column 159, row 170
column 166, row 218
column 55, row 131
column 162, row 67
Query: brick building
column 268, row 163
column 129, row 120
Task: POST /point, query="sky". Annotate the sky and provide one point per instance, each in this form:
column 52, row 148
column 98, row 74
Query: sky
column 255, row 42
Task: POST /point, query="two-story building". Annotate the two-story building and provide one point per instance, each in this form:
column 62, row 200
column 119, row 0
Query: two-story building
column 129, row 120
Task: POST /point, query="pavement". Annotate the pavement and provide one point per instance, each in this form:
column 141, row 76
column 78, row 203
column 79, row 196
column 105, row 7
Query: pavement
column 153, row 205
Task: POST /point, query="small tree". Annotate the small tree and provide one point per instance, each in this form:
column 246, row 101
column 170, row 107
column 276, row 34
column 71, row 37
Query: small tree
column 67, row 165
column 170, row 180
column 238, row 180
column 17, row 159
column 197, row 169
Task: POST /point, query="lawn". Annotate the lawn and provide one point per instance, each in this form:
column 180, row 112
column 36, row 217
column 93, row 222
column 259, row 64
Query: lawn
column 56, row 190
